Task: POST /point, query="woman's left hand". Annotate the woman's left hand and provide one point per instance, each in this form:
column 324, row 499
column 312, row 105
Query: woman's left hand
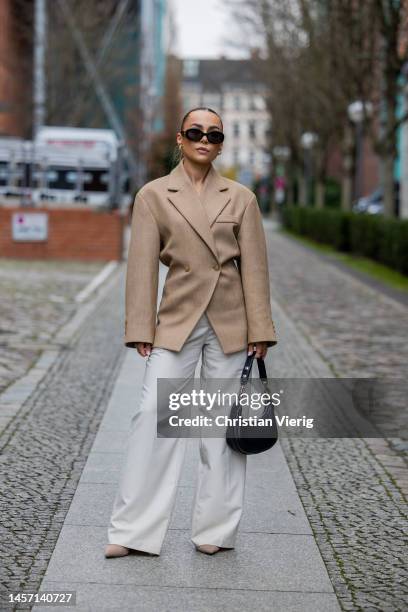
column 261, row 349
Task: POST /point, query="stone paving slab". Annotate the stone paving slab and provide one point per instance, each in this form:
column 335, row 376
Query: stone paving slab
column 276, row 551
column 290, row 579
column 132, row 598
column 93, row 500
column 287, row 562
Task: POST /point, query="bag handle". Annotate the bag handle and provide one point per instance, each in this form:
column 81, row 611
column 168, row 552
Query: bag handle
column 248, row 366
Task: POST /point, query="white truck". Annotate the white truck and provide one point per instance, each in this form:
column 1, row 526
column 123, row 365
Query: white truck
column 65, row 165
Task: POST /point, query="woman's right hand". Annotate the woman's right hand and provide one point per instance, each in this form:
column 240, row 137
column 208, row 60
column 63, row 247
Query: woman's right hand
column 144, row 348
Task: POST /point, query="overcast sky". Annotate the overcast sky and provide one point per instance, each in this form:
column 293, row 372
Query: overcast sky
column 201, row 27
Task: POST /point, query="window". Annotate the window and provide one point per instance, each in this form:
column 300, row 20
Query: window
column 235, row 156
column 96, row 180
column 251, row 157
column 260, row 102
column 235, row 129
column 257, row 102
column 251, row 128
column 212, row 100
column 237, row 103
column 191, row 67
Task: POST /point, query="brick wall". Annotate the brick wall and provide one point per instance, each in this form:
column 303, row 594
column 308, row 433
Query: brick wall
column 72, row 234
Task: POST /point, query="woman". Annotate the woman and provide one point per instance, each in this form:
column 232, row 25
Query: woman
column 215, row 305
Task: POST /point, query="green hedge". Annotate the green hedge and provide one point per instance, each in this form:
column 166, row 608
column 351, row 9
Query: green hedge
column 380, row 238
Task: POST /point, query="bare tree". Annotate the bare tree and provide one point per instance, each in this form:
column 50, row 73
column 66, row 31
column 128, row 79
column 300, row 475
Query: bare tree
column 163, row 146
column 320, row 57
column 71, row 97
column 392, row 18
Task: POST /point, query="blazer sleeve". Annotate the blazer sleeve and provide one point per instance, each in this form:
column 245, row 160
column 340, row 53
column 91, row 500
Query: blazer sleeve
column 142, row 275
column 255, row 276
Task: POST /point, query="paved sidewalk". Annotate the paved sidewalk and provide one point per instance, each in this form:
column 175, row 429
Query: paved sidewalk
column 275, row 566
column 320, row 514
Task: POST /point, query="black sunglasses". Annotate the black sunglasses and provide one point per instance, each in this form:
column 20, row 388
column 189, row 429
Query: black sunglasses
column 194, row 134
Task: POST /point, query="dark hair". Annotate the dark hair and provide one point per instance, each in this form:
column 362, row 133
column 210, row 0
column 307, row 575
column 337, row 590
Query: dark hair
column 210, row 110
column 178, row 155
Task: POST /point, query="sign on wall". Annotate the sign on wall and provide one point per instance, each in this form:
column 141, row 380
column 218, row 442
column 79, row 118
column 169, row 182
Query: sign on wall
column 29, row 227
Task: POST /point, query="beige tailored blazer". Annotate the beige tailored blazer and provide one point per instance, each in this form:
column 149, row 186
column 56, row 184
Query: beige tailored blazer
column 214, row 246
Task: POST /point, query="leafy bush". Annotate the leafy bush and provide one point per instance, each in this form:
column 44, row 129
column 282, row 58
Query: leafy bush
column 332, row 197
column 375, row 236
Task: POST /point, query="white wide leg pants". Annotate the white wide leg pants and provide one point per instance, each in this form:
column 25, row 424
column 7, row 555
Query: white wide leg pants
column 150, row 473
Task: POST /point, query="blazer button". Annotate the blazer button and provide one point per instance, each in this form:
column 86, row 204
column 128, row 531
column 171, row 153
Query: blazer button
column 216, row 266
column 187, row 268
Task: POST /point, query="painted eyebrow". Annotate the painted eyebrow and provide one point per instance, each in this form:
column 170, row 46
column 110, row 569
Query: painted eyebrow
column 211, row 126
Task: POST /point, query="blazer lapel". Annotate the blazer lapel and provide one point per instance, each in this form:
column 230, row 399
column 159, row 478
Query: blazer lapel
column 185, row 198
column 215, row 194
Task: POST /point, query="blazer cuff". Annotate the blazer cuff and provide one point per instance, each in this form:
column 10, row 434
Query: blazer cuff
column 264, row 333
column 268, row 342
column 131, row 338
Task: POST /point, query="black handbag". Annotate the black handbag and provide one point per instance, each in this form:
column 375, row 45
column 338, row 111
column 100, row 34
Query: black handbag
column 252, row 439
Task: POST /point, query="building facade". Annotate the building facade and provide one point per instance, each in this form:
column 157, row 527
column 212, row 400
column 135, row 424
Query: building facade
column 229, row 87
column 154, row 20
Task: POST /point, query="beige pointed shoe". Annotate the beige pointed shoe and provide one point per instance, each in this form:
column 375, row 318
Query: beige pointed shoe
column 208, row 549
column 115, row 550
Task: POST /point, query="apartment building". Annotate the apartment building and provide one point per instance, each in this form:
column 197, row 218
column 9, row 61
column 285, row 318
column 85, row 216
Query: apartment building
column 230, row 87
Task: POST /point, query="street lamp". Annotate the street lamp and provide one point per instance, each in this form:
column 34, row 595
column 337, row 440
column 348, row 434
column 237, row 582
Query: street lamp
column 358, row 111
column 307, row 141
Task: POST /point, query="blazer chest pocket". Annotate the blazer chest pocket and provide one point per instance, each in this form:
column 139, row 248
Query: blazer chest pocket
column 227, row 219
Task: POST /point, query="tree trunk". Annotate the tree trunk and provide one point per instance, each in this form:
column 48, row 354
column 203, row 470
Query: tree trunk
column 348, row 165
column 391, row 21
column 291, row 173
column 319, row 195
column 388, row 168
column 389, row 152
column 302, row 182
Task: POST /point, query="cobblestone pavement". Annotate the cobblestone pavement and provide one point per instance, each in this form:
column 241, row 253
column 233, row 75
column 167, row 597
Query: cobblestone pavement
column 45, row 447
column 36, row 299
column 354, row 502
column 357, row 330
column 352, row 490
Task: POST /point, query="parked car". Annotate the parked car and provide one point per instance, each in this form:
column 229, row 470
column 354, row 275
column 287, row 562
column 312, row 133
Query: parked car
column 373, row 204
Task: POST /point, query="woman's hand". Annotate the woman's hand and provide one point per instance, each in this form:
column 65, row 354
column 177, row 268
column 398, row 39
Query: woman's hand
column 144, row 348
column 261, row 349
